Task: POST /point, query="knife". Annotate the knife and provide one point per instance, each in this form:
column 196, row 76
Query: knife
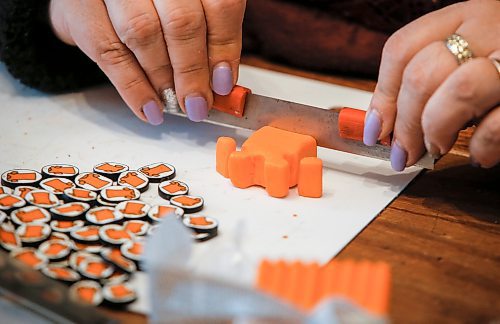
column 337, row 128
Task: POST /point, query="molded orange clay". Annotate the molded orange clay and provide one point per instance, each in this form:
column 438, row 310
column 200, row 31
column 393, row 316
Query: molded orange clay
column 269, row 158
column 305, row 285
column 311, row 177
column 352, row 124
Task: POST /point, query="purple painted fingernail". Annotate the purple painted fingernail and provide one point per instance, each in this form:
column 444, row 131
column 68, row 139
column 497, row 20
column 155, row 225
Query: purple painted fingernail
column 372, row 128
column 153, row 113
column 398, row 157
column 222, row 79
column 196, row 108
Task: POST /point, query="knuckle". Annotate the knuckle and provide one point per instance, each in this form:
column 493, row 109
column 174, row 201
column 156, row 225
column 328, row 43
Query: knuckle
column 226, row 6
column 111, row 53
column 416, row 78
column 184, row 24
column 194, row 68
column 395, row 49
column 140, row 31
column 463, row 88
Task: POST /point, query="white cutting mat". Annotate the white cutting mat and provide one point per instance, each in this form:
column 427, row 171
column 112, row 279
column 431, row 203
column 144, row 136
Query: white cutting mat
column 94, row 126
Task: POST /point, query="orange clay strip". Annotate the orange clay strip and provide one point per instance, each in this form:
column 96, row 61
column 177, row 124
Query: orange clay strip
column 28, row 258
column 58, row 185
column 59, row 169
column 103, row 214
column 133, row 208
column 41, row 198
column 132, row 179
column 120, row 193
column 79, row 193
column 87, row 294
column 30, row 216
column 187, row 201
column 352, row 123
column 233, row 103
column 70, row 209
column 174, row 187
column 120, row 291
column 155, row 171
column 15, row 176
column 200, row 221
column 305, row 285
column 117, row 234
column 55, row 249
column 33, row 231
column 8, row 237
column 310, row 182
column 106, row 167
column 96, row 268
column 94, row 180
column 64, row 224
column 9, row 201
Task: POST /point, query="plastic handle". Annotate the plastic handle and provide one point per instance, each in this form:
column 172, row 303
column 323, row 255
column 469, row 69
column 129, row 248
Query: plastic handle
column 233, row 103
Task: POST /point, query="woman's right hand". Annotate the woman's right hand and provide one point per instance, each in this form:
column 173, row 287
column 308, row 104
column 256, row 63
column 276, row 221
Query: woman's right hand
column 147, row 47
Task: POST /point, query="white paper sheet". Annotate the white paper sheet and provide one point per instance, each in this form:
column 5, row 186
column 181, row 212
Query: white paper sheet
column 95, row 126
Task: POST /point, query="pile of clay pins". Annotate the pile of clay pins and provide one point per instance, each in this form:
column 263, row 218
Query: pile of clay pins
column 87, row 229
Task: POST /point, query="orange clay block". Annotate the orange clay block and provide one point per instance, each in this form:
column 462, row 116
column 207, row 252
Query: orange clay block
column 225, row 146
column 269, row 158
column 352, row 124
column 311, row 177
column 365, row 283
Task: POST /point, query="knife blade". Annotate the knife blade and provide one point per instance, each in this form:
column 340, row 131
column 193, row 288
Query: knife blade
column 245, row 110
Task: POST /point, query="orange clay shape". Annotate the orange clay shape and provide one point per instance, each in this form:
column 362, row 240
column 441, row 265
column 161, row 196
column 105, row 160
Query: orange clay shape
column 94, row 180
column 103, row 214
column 132, row 179
column 106, row 167
column 136, row 248
column 15, row 176
column 133, row 208
column 24, row 192
column 117, row 234
column 200, row 221
column 269, row 158
column 306, row 285
column 156, row 171
column 30, row 216
column 9, row 201
column 59, row 169
column 73, row 208
column 42, row 198
column 120, row 193
column 164, row 211
column 120, row 291
column 58, row 185
column 174, row 187
column 80, row 193
column 352, row 124
column 187, row 201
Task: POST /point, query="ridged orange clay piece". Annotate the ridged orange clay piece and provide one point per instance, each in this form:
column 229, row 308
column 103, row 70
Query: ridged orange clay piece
column 310, row 183
column 365, row 283
column 269, row 158
column 234, row 102
column 225, row 146
column 352, row 124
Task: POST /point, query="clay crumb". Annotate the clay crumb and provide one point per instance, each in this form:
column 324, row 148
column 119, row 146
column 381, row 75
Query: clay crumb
column 285, row 237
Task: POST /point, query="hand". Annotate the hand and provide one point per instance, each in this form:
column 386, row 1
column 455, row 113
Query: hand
column 147, row 47
column 425, row 97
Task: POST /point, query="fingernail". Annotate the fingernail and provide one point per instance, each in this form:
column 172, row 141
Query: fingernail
column 398, row 157
column 222, row 79
column 196, row 108
column 153, row 113
column 372, row 128
column 474, row 163
column 433, row 150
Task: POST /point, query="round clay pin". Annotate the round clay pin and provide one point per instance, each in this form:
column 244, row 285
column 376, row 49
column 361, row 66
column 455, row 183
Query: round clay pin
column 9, row 239
column 19, row 177
column 190, row 204
column 69, row 211
column 80, row 195
column 102, row 216
column 133, row 209
column 77, row 257
column 10, row 202
column 30, row 257
column 158, row 212
column 66, row 226
column 92, row 181
column 95, row 268
column 117, row 194
column 158, row 172
column 201, row 224
column 119, row 294
column 86, row 292
column 136, row 227
column 114, row 234
column 56, row 250
column 134, row 179
column 111, row 170
column 30, row 214
column 67, row 171
column 33, row 234
column 86, row 235
column 5, row 190
column 61, row 273
column 172, row 188
column 115, row 257
column 22, row 191
column 57, row 185
column 42, row 198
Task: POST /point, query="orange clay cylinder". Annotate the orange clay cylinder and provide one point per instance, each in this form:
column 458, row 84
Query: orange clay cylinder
column 310, row 182
column 240, row 166
column 225, row 146
column 352, row 124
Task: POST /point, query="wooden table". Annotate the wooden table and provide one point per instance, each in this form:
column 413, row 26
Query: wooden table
column 441, row 237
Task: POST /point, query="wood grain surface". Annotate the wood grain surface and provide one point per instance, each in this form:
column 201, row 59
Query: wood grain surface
column 441, row 236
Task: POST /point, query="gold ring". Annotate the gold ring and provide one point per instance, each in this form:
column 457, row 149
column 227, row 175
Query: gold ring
column 459, row 47
column 496, row 63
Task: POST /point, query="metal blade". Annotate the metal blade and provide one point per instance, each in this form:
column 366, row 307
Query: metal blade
column 322, row 124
